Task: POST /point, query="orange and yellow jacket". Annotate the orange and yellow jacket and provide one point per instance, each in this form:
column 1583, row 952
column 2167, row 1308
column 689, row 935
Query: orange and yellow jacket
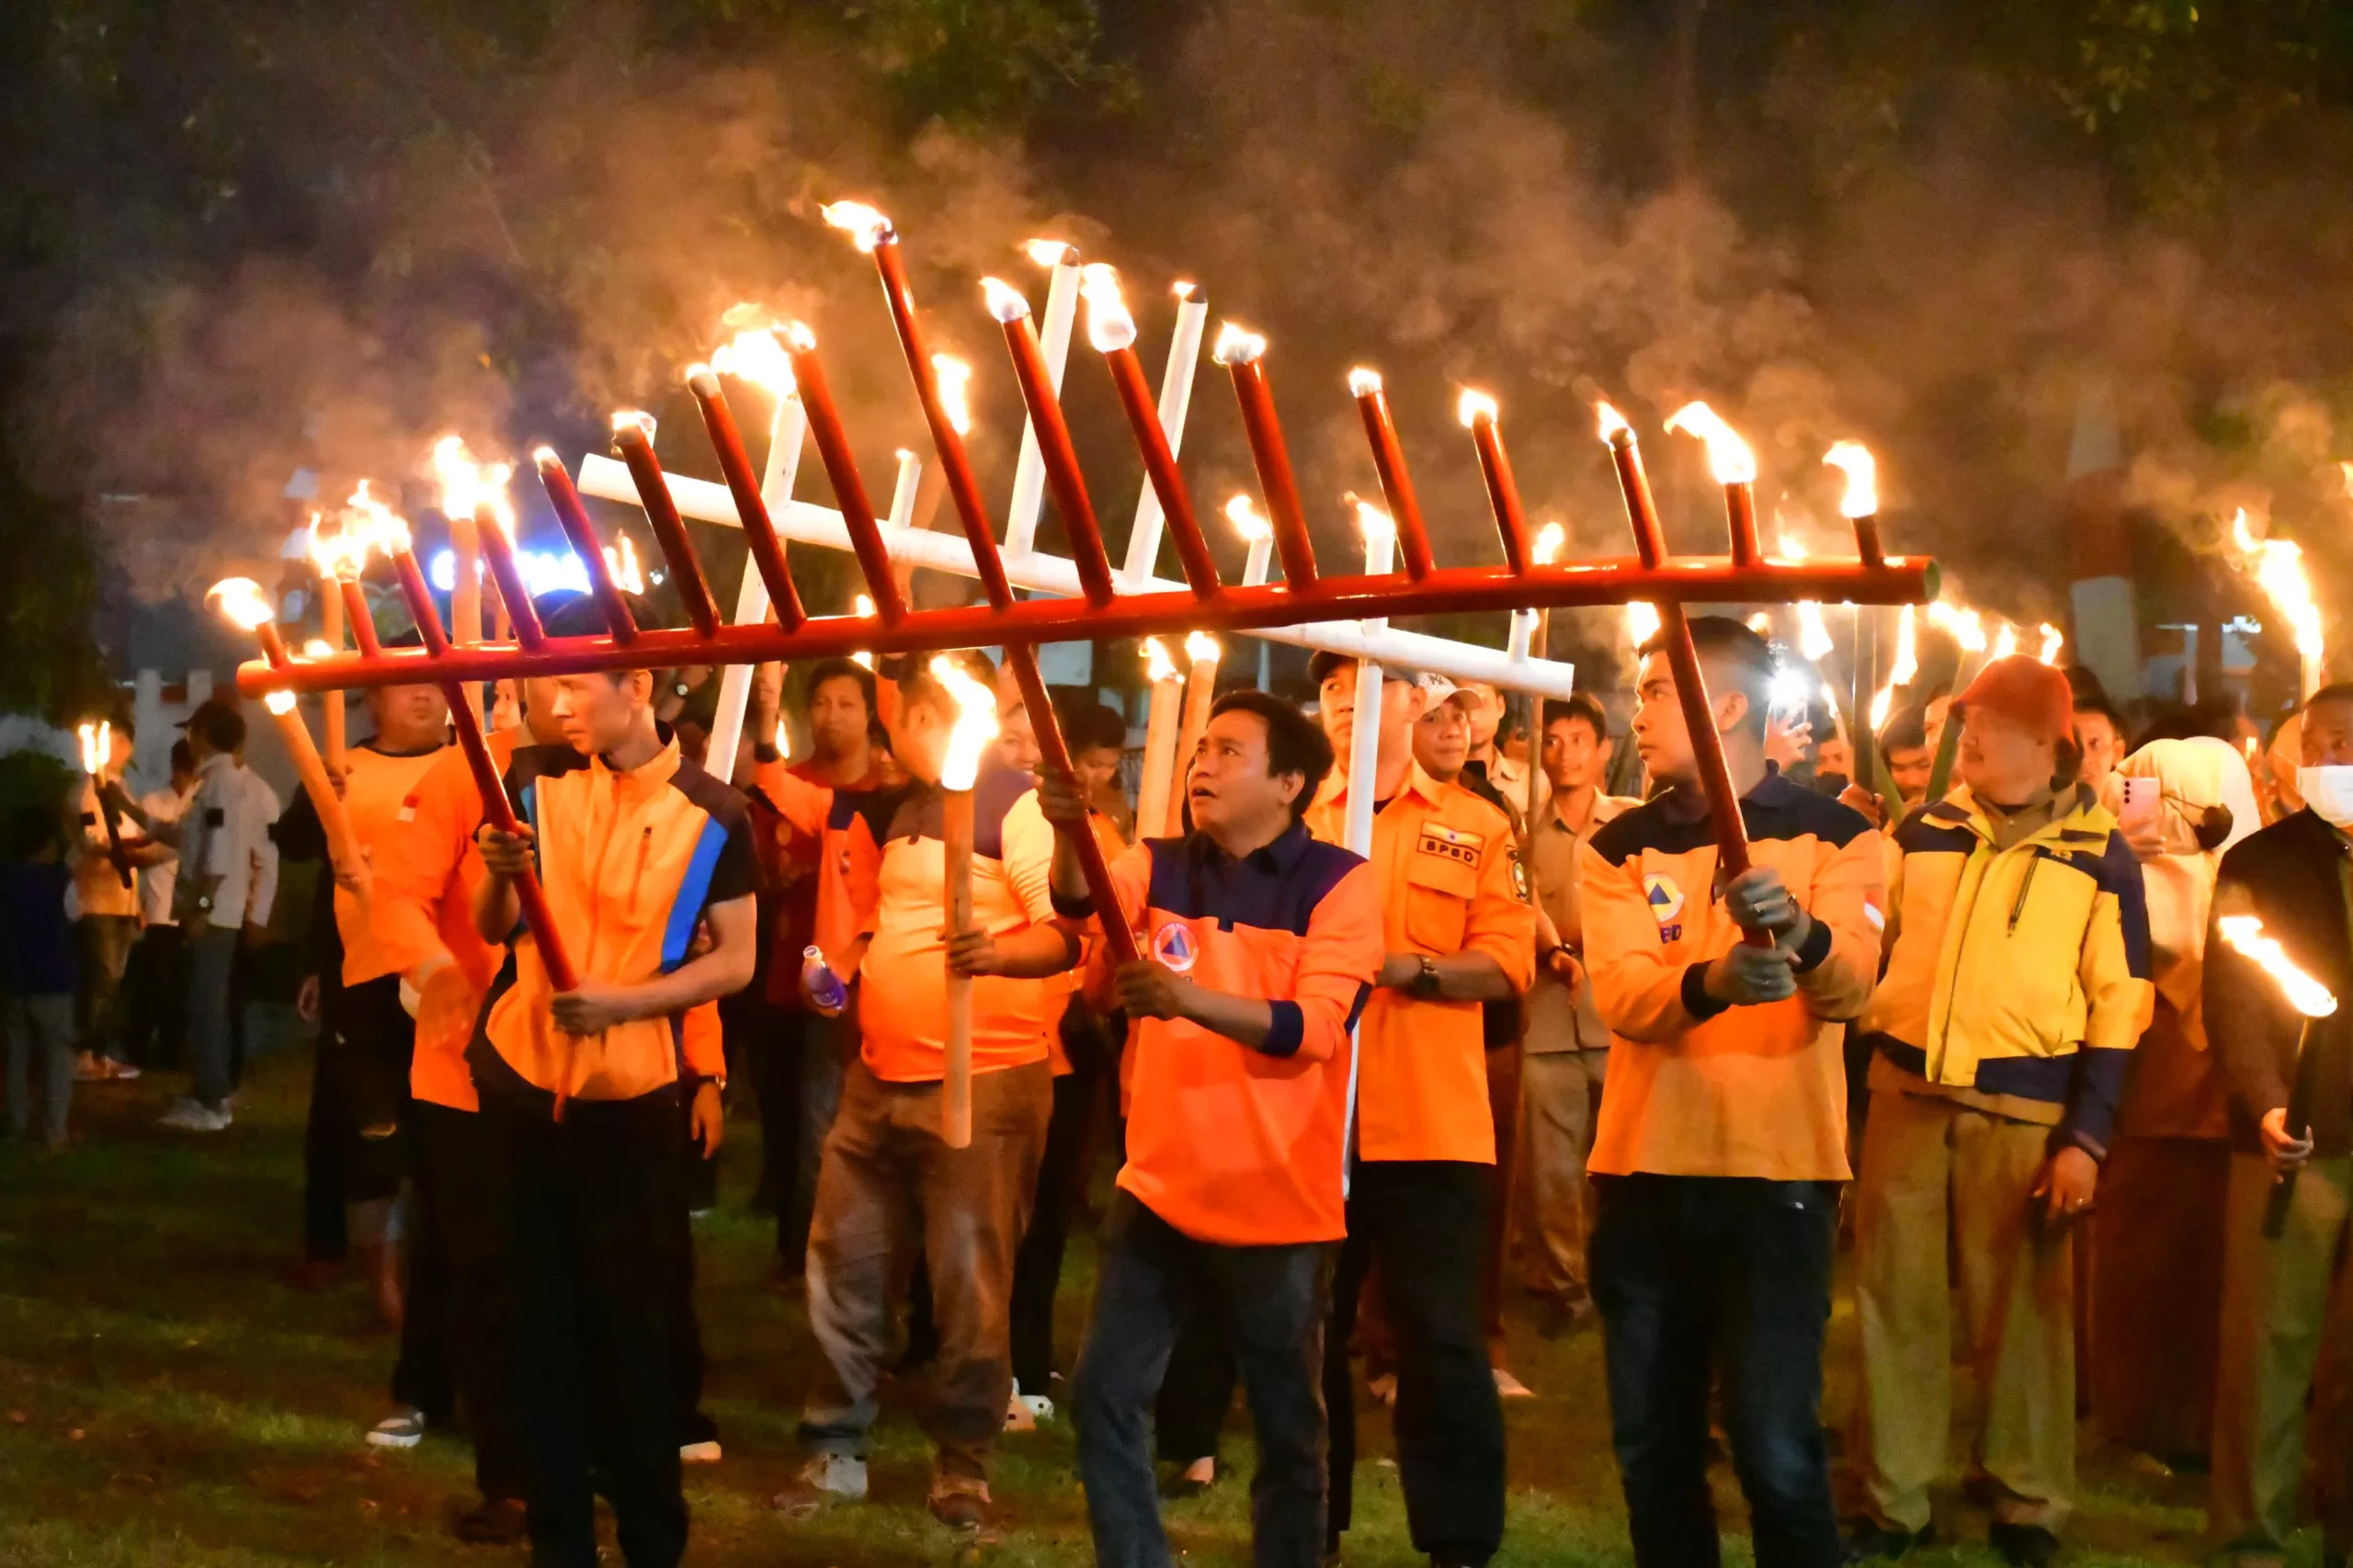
column 1229, row 1143
column 632, row 862
column 2018, row 979
column 1698, row 1087
column 835, row 836
column 1451, row 882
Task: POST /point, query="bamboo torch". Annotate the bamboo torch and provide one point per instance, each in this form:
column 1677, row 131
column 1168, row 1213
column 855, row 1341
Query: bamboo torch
column 1734, row 467
column 1159, row 739
column 97, row 756
column 976, row 728
column 242, row 600
column 327, row 552
column 1200, row 693
column 2309, row 997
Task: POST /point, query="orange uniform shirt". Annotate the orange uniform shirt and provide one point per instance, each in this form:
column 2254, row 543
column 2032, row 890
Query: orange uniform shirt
column 631, row 861
column 1698, row 1088
column 843, row 830
column 1229, row 1143
column 1450, row 882
column 375, row 790
column 903, row 1006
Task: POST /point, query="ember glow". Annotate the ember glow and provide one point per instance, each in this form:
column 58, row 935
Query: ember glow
column 98, row 746
column 1363, row 382
column 279, row 703
column 975, row 722
column 1243, row 513
column 1473, row 406
column 1862, row 469
column 955, row 391
column 2278, row 567
column 242, row 600
column 754, row 355
column 1237, row 344
column 1158, row 665
column 625, row 418
column 1551, row 540
column 1609, row 419
column 798, row 336
column 1729, row 458
column 1201, row 646
column 2006, row 642
column 1049, row 253
column 467, row 485
column 865, row 612
column 1109, row 326
column 1006, row 303
column 2053, row 641
column 2246, row 936
column 866, row 227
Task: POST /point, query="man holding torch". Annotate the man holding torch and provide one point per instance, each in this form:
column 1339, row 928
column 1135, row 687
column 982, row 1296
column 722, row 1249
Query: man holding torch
column 106, row 889
column 2294, row 877
column 642, row 855
column 1459, row 930
column 1722, row 1136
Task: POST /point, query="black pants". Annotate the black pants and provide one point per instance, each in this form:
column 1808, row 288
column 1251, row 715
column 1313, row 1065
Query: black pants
column 1197, row 1394
column 359, row 1088
column 1038, row 1266
column 597, row 1259
column 155, row 1025
column 1697, row 1275
column 772, row 1040
column 1270, row 1302
column 1425, row 1223
column 458, row 1336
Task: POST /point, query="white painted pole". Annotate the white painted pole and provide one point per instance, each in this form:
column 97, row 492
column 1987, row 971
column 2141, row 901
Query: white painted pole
column 1175, row 402
column 802, row 522
column 1030, row 469
column 787, row 428
column 1364, row 757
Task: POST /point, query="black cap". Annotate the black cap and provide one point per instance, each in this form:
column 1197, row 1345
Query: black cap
column 223, row 727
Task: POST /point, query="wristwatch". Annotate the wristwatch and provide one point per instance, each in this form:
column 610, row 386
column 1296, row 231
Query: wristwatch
column 1426, row 980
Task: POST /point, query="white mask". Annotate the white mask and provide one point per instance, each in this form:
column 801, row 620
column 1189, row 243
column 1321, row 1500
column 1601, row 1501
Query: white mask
column 2329, row 792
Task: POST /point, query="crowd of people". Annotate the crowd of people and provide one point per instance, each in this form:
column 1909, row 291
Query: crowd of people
column 1974, row 1025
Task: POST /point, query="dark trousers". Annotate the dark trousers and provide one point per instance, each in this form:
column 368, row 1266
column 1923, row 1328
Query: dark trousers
column 1701, row 1277
column 212, row 954
column 1270, row 1302
column 154, row 1026
column 352, row 1153
column 456, row 1337
column 598, row 1248
column 102, row 943
column 1424, row 1223
column 1197, row 1393
column 773, row 1039
column 1038, row 1266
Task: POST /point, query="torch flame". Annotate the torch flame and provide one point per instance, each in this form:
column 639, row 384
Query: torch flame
column 1881, row 701
column 280, row 703
column 1551, row 540
column 1158, row 665
column 242, row 600
column 1813, row 634
column 378, row 524
column 1363, row 382
column 2246, row 936
column 2278, row 565
column 754, row 355
column 1862, row 478
column 1473, row 406
column 1907, row 661
column 975, row 722
column 1965, row 627
column 1237, row 344
column 1761, row 623
column 98, row 746
column 1050, row 253
column 1006, row 303
column 1379, row 530
column 1641, row 622
column 343, row 554
column 865, row 612
column 1183, row 291
column 318, row 648
column 1611, row 420
column 2053, row 641
column 2006, row 642
column 866, row 227
column 798, row 336
column 955, row 391
column 1243, row 513
column 1109, row 326
column 1201, row 646
column 468, row 485
column 625, row 418
column 621, row 566
column 1727, row 456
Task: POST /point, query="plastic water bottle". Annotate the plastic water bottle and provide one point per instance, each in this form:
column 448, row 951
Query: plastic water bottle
column 826, row 991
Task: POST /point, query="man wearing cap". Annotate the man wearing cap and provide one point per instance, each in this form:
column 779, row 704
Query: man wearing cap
column 2018, row 980
column 1458, row 931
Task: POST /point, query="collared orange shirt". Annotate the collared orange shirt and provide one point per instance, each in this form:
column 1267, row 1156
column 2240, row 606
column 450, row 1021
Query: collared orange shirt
column 1229, row 1143
column 1697, row 1087
column 1451, row 882
column 377, row 787
column 903, row 1005
column 846, row 828
column 631, row 862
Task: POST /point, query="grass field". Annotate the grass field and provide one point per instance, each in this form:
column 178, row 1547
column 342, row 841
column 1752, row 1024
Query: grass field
column 166, row 1399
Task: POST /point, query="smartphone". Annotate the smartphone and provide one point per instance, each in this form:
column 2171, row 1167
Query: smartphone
column 2143, row 798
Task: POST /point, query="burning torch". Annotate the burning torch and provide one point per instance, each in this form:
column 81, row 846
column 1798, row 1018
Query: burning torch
column 976, row 728
column 2309, row 997
column 1159, row 739
column 97, row 756
column 1200, row 692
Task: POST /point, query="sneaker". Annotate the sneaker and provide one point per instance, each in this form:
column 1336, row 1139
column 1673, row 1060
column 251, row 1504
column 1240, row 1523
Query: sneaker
column 190, row 1117
column 1870, row 1541
column 1383, row 1388
column 401, row 1429
column 120, row 1072
column 1509, row 1387
column 2025, row 1546
column 959, row 1502
column 826, row 1478
column 706, row 1451
column 498, row 1521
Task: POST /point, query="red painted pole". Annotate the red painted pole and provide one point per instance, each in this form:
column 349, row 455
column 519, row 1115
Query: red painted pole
column 1062, row 459
column 751, row 506
column 1690, row 684
column 841, row 467
column 1272, row 460
column 582, row 531
column 1740, row 514
column 1503, row 490
column 1396, row 483
column 363, row 623
column 1160, row 466
column 499, row 552
column 635, row 445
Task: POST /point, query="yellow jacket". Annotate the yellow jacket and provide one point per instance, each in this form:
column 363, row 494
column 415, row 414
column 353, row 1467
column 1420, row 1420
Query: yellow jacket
column 2017, row 979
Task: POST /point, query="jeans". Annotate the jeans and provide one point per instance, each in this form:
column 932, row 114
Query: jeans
column 1270, row 1303
column 1698, row 1276
column 43, row 1026
column 212, row 954
column 1425, row 1223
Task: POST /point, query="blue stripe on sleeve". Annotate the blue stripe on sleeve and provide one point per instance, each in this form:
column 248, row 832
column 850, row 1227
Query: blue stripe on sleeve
column 687, row 908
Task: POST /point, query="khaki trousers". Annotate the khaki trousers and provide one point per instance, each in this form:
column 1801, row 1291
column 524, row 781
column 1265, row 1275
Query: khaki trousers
column 1560, row 1089
column 1926, row 1158
column 2275, row 1300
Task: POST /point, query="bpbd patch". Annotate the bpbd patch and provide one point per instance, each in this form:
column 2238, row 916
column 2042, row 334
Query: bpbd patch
column 1667, row 905
column 1452, row 843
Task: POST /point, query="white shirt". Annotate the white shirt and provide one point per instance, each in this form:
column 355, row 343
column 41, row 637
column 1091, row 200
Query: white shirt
column 225, row 838
column 156, row 882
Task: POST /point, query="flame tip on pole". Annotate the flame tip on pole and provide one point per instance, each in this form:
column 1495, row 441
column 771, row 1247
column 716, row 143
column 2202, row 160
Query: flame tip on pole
column 1006, row 303
column 1050, row 253
column 1363, row 382
column 1473, row 406
column 1237, row 344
